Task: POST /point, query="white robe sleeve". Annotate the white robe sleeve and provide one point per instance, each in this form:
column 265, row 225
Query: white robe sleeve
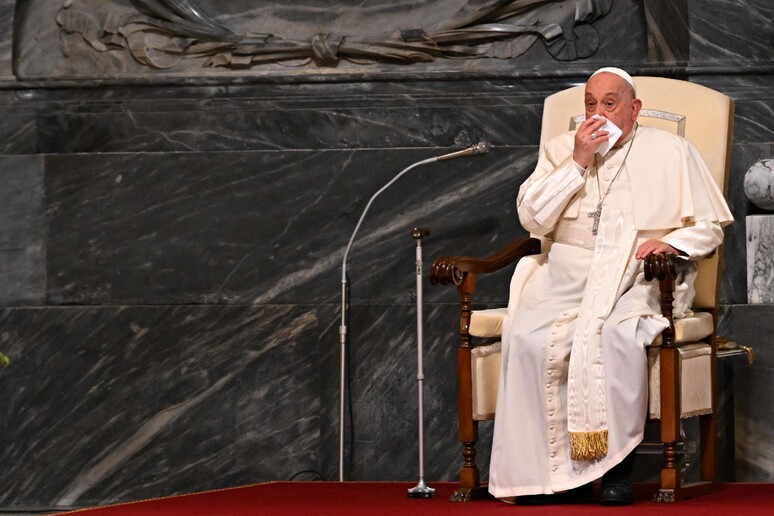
column 697, row 240
column 544, row 196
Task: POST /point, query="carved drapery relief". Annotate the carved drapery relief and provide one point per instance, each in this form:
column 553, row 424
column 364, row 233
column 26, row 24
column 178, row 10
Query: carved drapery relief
column 161, row 34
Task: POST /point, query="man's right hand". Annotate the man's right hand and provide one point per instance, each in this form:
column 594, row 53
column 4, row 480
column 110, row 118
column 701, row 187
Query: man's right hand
column 585, row 144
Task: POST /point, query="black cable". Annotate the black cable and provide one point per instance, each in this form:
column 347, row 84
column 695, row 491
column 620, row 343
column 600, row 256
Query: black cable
column 317, row 475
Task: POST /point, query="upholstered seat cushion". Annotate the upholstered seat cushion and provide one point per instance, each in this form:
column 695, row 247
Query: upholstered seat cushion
column 489, row 324
column 695, row 377
column 691, row 329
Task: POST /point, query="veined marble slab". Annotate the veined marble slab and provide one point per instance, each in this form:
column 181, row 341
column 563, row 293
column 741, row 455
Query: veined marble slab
column 6, row 40
column 22, row 231
column 114, row 404
column 760, row 259
column 265, row 227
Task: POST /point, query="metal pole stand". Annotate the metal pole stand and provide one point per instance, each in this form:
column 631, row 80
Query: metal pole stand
column 421, row 490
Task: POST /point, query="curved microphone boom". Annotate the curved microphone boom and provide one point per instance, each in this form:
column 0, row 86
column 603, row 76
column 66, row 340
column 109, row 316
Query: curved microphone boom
column 473, row 150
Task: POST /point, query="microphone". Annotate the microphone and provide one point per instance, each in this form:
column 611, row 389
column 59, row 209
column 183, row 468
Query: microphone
column 473, row 150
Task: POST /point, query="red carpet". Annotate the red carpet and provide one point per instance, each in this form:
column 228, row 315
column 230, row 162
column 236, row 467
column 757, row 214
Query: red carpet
column 389, row 498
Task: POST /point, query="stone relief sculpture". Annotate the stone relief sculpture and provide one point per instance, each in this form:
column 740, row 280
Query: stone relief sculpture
column 162, row 34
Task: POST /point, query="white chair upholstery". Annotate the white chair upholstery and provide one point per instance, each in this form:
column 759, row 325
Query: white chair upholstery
column 486, row 377
column 487, row 324
column 695, row 381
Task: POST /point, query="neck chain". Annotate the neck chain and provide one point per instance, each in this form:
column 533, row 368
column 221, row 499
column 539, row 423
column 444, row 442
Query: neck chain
column 597, row 214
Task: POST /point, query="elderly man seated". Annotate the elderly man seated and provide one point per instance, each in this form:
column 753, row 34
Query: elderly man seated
column 572, row 398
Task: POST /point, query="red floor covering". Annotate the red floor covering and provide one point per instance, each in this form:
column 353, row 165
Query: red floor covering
column 389, row 498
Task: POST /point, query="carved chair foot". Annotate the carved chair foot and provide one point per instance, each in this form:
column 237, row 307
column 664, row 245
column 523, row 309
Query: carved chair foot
column 665, row 496
column 470, row 494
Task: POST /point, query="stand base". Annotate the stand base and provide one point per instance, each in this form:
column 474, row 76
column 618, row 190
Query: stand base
column 421, row 490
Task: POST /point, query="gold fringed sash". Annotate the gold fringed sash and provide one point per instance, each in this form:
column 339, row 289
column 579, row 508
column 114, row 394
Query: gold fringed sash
column 588, row 445
column 586, row 402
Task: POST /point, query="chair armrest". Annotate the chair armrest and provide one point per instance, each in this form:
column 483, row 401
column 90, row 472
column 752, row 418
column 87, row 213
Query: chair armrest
column 665, row 268
column 661, row 267
column 451, row 269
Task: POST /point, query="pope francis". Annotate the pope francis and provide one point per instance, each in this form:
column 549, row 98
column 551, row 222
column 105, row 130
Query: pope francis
column 572, row 397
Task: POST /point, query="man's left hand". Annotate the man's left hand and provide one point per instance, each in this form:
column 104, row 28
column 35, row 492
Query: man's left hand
column 654, row 246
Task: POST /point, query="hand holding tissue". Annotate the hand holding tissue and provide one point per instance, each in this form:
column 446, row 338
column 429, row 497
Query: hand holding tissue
column 614, row 133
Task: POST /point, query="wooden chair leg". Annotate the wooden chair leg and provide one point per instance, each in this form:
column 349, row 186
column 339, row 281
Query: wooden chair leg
column 470, row 481
column 468, row 429
column 708, row 431
column 670, row 424
column 672, row 488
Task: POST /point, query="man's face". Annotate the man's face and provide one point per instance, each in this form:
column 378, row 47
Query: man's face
column 610, row 96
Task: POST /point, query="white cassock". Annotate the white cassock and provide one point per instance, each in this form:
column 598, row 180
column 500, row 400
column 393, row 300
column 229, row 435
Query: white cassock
column 663, row 191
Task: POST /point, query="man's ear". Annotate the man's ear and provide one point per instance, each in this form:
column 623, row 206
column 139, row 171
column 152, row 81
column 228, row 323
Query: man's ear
column 636, row 106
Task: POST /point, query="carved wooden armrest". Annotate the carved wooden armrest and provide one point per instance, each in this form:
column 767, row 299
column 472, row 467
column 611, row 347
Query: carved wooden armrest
column 451, row 269
column 664, row 268
column 661, row 267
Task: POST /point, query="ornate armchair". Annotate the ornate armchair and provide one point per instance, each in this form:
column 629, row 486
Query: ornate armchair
column 681, row 361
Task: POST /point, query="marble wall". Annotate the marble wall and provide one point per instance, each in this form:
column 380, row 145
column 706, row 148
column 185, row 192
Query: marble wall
column 170, row 253
column 760, row 259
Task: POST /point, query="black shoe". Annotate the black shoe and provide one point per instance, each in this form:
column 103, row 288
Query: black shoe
column 617, row 483
column 617, row 493
column 581, row 494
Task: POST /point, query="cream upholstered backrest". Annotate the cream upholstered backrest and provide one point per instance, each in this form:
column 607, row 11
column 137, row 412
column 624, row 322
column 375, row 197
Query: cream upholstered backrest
column 702, row 115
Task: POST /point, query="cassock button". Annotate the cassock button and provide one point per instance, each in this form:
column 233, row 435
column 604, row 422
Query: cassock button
column 553, row 469
column 553, row 454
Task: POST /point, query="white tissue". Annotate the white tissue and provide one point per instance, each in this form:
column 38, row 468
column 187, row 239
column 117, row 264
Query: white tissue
column 613, row 136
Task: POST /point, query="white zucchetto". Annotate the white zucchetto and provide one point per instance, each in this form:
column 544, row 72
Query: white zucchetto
column 620, row 73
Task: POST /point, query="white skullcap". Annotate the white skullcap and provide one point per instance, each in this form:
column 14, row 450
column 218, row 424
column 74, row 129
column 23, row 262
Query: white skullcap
column 620, row 73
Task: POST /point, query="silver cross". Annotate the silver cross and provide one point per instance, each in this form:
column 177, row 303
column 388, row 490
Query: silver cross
column 596, row 215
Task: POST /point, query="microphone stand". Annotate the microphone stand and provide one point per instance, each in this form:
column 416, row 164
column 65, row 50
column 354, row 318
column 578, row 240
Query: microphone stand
column 479, row 148
column 421, row 490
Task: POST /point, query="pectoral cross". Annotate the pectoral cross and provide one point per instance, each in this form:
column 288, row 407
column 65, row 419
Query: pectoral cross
column 596, row 214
